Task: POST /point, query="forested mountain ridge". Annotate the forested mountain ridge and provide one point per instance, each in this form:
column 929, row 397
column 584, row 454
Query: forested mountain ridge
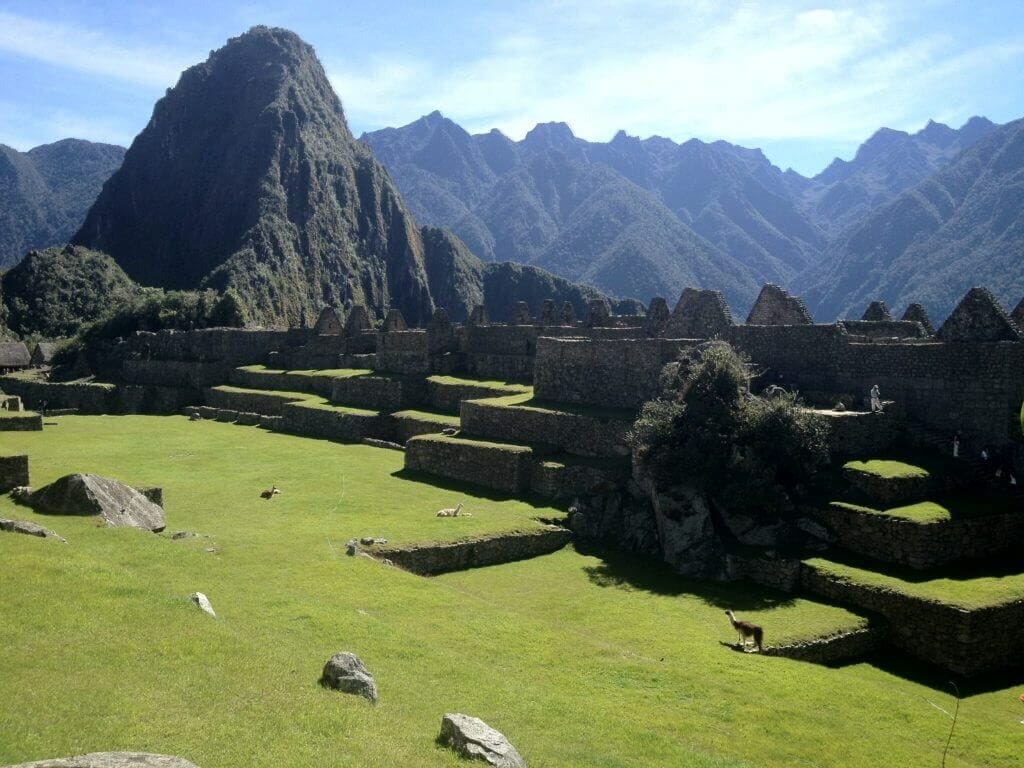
column 45, row 192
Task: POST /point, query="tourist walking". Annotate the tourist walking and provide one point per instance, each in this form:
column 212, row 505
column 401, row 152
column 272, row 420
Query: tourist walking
column 956, row 446
column 876, row 399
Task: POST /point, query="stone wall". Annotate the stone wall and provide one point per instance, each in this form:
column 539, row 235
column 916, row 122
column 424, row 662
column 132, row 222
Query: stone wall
column 884, row 329
column 967, row 642
column 174, row 373
column 922, row 545
column 232, row 346
column 22, row 422
column 859, row 433
column 775, row 306
column 975, row 389
column 13, row 472
column 330, row 424
column 95, row 398
column 403, row 352
column 265, row 403
column 576, row 433
column 433, row 559
column 501, row 467
column 612, row 373
column 377, row 392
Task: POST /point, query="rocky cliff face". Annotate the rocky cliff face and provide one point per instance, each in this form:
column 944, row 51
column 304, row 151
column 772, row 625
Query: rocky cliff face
column 247, row 177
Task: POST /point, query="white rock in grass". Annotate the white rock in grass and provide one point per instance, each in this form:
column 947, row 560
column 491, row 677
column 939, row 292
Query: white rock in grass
column 472, row 738
column 203, row 602
column 346, row 672
column 111, row 760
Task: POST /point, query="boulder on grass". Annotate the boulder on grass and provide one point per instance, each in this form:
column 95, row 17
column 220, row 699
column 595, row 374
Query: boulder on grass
column 29, row 528
column 202, row 602
column 111, row 760
column 472, row 738
column 346, row 672
column 118, row 504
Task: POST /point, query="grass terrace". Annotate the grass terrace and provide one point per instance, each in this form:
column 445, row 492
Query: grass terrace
column 580, row 660
column 337, row 373
column 527, row 401
column 964, row 586
column 455, row 381
column 938, row 511
column 887, row 468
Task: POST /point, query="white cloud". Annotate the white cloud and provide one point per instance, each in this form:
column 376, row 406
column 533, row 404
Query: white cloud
column 739, row 71
column 88, row 51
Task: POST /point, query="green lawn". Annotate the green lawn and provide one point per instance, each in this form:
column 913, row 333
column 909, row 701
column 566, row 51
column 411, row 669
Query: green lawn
column 440, row 418
column 579, row 660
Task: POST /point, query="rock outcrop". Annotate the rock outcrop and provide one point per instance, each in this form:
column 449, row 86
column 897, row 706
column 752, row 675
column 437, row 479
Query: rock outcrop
column 346, row 672
column 119, row 505
column 474, row 739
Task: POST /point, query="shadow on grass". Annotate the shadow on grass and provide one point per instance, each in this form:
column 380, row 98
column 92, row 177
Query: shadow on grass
column 621, row 570
column 904, row 666
column 476, row 491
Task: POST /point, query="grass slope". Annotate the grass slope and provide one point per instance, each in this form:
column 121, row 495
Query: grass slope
column 580, row 661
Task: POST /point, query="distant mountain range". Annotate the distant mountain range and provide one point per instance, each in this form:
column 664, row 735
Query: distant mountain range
column 649, row 217
column 264, row 190
column 963, row 226
column 45, row 192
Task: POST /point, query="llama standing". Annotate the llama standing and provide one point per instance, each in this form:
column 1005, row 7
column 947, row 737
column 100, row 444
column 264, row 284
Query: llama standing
column 747, row 632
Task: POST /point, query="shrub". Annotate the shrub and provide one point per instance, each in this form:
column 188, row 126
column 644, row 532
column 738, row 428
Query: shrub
column 707, row 431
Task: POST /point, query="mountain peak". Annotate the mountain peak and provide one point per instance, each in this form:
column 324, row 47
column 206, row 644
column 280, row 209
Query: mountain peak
column 550, row 135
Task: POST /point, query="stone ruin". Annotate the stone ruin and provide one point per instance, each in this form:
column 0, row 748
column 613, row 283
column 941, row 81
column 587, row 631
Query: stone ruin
column 876, row 312
column 394, row 322
column 775, row 306
column 916, row 313
column 358, row 320
column 328, row 323
column 568, row 315
column 657, row 317
column 1018, row 315
column 598, row 313
column 478, row 316
column 699, row 314
column 521, row 314
column 979, row 317
column 548, row 313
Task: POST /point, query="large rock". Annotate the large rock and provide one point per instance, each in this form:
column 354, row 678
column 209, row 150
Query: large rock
column 118, row 504
column 346, row 672
column 472, row 738
column 111, row 760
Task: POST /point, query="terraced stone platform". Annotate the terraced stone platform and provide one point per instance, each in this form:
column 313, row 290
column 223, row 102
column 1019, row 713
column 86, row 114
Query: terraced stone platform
column 928, row 533
column 581, row 430
column 319, row 382
column 964, row 620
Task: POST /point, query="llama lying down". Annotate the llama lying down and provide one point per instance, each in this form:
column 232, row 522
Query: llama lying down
column 453, row 512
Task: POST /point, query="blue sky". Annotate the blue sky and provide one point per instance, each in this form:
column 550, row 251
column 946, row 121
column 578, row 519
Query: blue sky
column 805, row 81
